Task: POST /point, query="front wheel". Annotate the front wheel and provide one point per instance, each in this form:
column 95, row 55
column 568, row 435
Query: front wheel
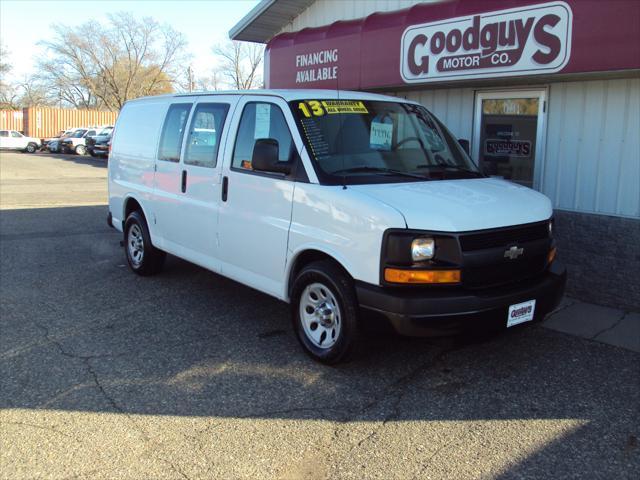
column 143, row 258
column 31, row 148
column 325, row 311
column 81, row 150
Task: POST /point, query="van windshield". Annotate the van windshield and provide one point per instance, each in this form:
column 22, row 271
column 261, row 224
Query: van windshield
column 359, row 141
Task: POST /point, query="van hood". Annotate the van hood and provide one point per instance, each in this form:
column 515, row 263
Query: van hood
column 461, row 205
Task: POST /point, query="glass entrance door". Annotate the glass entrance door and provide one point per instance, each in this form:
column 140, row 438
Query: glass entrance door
column 509, row 134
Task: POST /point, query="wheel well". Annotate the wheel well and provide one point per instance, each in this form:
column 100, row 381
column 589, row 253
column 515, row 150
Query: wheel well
column 307, row 257
column 131, row 206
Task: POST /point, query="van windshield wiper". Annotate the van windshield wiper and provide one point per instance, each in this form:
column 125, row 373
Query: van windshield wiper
column 388, row 171
column 453, row 167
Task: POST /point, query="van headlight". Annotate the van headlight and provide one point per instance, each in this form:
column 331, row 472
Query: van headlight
column 423, row 249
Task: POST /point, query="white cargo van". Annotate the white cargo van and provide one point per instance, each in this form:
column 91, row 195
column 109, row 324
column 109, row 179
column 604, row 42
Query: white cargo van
column 352, row 207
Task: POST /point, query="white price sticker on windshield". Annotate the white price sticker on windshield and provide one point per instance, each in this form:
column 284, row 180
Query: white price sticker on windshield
column 380, row 136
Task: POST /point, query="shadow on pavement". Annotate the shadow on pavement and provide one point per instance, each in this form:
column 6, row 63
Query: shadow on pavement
column 80, row 332
column 79, row 159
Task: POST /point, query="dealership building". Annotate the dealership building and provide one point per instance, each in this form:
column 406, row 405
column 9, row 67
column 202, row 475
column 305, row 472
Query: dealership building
column 547, row 93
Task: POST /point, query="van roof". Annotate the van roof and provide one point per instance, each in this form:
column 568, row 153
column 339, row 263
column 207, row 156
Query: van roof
column 288, row 95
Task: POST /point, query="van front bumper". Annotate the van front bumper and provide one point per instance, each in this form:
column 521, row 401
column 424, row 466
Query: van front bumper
column 439, row 311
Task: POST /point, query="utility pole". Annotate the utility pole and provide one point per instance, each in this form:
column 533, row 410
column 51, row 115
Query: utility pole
column 190, row 78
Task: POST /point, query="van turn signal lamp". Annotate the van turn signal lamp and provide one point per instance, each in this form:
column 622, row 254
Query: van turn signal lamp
column 398, row 275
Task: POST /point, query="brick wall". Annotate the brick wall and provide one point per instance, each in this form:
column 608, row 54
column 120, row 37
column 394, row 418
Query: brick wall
column 602, row 255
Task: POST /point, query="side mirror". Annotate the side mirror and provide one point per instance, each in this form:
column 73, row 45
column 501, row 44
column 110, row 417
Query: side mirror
column 265, row 157
column 464, row 144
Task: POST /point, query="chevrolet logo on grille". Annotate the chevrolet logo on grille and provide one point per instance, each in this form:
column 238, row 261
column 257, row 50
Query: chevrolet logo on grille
column 513, row 253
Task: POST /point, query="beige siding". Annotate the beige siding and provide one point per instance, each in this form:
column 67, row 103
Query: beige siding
column 592, row 161
column 324, row 12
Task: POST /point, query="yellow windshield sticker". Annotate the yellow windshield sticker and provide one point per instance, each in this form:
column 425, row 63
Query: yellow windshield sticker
column 311, row 107
column 344, row 106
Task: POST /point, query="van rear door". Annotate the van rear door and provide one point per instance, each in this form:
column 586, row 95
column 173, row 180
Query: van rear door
column 255, row 213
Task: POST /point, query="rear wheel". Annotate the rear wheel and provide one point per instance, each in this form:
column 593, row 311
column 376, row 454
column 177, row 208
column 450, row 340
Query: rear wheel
column 31, row 148
column 81, row 150
column 143, row 258
column 325, row 311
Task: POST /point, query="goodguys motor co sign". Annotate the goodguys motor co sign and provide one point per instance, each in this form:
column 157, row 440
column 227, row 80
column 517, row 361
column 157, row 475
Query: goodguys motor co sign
column 517, row 41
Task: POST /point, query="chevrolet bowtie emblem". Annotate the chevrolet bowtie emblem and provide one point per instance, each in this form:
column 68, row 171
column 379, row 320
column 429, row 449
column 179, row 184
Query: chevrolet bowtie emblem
column 513, row 253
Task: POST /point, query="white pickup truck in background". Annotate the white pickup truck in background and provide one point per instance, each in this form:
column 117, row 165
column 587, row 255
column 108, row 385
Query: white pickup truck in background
column 13, row 140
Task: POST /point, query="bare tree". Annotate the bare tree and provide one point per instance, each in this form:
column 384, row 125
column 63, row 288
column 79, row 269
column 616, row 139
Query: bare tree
column 97, row 66
column 239, row 64
column 8, row 93
column 210, row 82
column 32, row 93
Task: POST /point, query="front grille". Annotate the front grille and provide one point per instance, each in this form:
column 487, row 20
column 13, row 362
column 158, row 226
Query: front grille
column 501, row 237
column 505, row 272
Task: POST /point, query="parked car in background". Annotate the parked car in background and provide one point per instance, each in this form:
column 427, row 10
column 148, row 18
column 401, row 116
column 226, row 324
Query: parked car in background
column 13, row 140
column 98, row 146
column 53, row 144
column 77, row 142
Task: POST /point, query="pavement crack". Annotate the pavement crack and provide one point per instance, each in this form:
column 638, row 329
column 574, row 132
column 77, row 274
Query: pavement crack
column 397, row 390
column 104, row 393
column 86, row 360
column 42, row 427
column 174, row 468
column 570, row 303
column 610, row 327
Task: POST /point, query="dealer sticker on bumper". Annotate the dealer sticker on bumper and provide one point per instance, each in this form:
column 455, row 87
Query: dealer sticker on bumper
column 521, row 312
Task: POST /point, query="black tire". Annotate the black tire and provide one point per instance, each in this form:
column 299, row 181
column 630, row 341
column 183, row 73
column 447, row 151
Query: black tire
column 92, row 153
column 80, row 150
column 31, row 148
column 151, row 260
column 340, row 288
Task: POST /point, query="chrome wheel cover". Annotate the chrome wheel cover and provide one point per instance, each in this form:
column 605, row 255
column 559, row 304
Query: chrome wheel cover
column 320, row 315
column 135, row 245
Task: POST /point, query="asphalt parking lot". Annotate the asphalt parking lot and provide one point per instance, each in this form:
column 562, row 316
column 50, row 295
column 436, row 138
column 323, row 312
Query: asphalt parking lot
column 104, row 374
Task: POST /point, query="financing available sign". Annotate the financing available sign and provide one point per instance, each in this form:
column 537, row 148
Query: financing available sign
column 529, row 40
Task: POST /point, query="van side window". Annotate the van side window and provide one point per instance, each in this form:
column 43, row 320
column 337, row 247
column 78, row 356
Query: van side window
column 205, row 133
column 261, row 120
column 173, row 131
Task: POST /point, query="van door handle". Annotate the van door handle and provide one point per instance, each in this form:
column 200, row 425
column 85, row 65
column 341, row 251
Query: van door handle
column 225, row 188
column 184, row 181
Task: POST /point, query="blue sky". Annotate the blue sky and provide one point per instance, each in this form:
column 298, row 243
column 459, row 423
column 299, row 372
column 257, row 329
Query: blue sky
column 205, row 22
